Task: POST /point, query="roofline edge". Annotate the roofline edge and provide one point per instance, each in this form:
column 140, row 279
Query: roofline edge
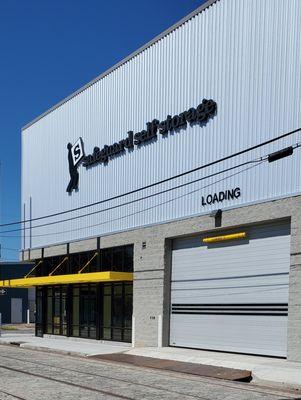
column 182, row 21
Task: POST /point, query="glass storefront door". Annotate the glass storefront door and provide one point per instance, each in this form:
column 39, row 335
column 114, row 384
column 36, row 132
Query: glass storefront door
column 56, row 310
column 87, row 311
column 116, row 311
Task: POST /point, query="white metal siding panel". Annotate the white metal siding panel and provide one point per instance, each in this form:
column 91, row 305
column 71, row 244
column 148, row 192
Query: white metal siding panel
column 243, row 54
column 237, row 273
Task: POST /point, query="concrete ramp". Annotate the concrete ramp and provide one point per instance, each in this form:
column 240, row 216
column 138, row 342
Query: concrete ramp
column 208, row 371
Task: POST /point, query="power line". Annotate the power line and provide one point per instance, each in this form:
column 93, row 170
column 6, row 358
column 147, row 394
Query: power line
column 263, row 158
column 159, row 182
column 135, row 200
column 151, row 207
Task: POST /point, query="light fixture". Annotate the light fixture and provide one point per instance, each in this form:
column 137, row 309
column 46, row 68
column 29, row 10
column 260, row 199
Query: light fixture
column 223, row 238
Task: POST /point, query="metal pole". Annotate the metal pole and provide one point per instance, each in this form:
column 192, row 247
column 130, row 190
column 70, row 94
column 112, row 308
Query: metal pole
column 0, row 323
column 24, row 226
column 28, row 318
column 30, row 223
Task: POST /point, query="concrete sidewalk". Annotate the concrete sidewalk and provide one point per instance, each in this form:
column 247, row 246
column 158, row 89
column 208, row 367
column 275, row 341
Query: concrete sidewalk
column 264, row 369
column 63, row 345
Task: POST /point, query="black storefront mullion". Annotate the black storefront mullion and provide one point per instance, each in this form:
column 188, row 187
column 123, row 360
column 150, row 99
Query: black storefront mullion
column 61, row 310
column 112, row 309
column 80, row 298
column 52, row 318
column 40, row 311
column 89, row 314
column 98, row 313
column 98, row 255
column 123, row 311
column 90, row 311
column 69, row 310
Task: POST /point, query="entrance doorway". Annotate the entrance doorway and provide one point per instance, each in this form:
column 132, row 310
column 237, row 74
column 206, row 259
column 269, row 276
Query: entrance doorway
column 95, row 311
column 16, row 311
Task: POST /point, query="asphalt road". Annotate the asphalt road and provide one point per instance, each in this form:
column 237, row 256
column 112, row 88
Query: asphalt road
column 35, row 375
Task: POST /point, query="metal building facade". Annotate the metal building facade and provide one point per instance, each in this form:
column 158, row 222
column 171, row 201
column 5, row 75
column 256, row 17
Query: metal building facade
column 245, row 55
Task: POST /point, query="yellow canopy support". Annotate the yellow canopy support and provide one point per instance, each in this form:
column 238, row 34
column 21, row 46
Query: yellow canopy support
column 88, row 263
column 36, row 266
column 91, row 277
column 58, row 266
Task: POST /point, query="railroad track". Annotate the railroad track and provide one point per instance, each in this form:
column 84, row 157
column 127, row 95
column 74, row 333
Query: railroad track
column 240, row 386
column 12, row 395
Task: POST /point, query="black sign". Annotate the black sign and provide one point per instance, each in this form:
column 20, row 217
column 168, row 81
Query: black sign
column 3, row 292
column 219, row 197
column 201, row 114
column 75, row 156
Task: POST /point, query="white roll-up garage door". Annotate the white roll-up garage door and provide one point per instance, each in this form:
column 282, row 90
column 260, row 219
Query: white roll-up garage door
column 232, row 296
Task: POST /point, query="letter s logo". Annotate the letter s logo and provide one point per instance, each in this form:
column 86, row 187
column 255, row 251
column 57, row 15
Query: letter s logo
column 76, row 152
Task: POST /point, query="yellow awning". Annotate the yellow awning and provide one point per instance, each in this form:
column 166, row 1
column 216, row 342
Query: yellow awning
column 91, row 277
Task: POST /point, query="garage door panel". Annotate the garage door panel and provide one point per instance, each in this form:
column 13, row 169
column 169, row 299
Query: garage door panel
column 247, row 272
column 236, row 295
column 266, row 288
column 238, row 334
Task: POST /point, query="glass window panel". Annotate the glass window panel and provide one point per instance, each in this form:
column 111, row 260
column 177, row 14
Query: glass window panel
column 117, row 264
column 64, row 311
column 56, row 329
column 92, row 334
column 128, row 306
column 85, row 310
column 107, row 333
column 39, row 308
column 93, row 266
column 128, row 289
column 49, row 310
column 127, row 335
column 129, row 258
column 92, row 310
column 117, row 307
column 75, row 330
column 107, row 289
column 118, row 290
column 75, row 310
column 107, row 311
column 106, row 260
column 117, row 334
column 84, row 331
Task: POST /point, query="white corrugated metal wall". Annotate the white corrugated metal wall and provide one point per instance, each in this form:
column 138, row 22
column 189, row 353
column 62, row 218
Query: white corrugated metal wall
column 243, row 54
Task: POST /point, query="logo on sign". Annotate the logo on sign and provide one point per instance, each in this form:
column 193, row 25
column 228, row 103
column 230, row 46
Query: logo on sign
column 75, row 156
column 200, row 115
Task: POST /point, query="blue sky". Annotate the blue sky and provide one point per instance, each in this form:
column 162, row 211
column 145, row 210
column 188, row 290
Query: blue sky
column 50, row 48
